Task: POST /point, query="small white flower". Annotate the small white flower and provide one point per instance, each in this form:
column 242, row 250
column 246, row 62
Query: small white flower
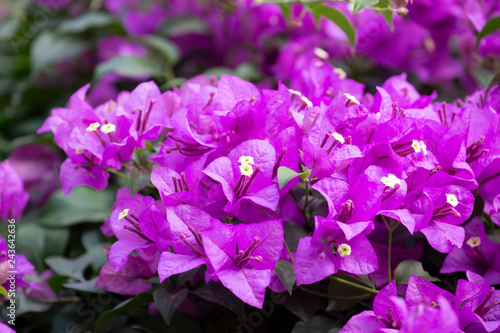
column 93, row 127
column 416, row 146
column 351, row 98
column 344, row 250
column 474, row 241
column 244, row 160
column 452, row 199
column 123, row 214
column 391, row 180
column 320, row 53
column 108, row 128
column 246, row 169
column 338, row 137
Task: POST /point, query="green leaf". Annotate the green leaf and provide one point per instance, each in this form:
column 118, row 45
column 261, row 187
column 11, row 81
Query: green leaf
column 85, row 286
column 4, row 292
column 284, row 270
column 386, row 14
column 47, row 48
column 56, row 282
column 167, row 303
column 123, row 306
column 408, row 267
column 495, row 80
column 360, row 4
column 129, row 67
column 316, row 325
column 490, row 27
column 286, row 174
column 168, row 49
column 83, row 204
column 69, row 267
column 181, row 25
column 338, row 18
column 354, row 295
column 84, row 22
column 138, row 180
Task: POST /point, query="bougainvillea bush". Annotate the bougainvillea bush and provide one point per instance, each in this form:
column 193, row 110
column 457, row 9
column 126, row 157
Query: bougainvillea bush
column 250, row 166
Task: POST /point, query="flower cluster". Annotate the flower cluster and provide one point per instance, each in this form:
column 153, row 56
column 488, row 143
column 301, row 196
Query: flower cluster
column 218, row 153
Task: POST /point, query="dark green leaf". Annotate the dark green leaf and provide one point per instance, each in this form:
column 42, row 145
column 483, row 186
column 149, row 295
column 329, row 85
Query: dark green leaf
column 168, row 49
column 69, row 267
column 348, row 295
column 129, row 67
column 84, row 22
column 56, row 282
column 284, row 270
column 386, row 14
column 408, row 267
column 490, row 27
column 215, row 292
column 318, row 324
column 180, row 25
column 167, row 303
column 360, row 4
column 301, row 304
column 338, row 18
column 85, row 286
column 138, row 180
column 123, row 306
column 83, row 204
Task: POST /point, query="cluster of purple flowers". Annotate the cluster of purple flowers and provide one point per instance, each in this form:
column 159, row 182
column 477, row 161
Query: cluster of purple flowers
column 218, row 153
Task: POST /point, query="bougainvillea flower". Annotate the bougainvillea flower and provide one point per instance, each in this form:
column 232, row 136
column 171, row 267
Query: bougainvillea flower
column 13, row 198
column 477, row 304
column 244, row 256
column 478, row 255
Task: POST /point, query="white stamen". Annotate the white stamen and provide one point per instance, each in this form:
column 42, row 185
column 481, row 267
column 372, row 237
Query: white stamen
column 338, row 137
column 123, row 214
column 344, row 250
column 452, row 199
column 351, row 98
column 93, row 127
column 246, row 170
column 295, row 92
column 108, row 128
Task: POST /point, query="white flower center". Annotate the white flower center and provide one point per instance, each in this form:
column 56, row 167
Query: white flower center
column 123, row 214
column 93, row 127
column 344, row 250
column 474, row 241
column 244, row 160
column 416, row 146
column 452, row 199
column 338, row 137
column 351, row 98
column 108, row 128
column 391, row 180
column 246, row 169
column 307, row 101
column 424, row 147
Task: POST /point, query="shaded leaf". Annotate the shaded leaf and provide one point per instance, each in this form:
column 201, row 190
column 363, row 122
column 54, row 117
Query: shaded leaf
column 128, row 67
column 338, row 18
column 69, row 267
column 284, row 270
column 123, row 306
column 56, row 282
column 83, row 204
column 348, row 295
column 490, row 27
column 411, row 267
column 138, row 180
column 85, row 286
column 168, row 49
column 386, row 14
column 318, row 324
column 84, row 22
column 167, row 303
column 286, row 174
column 360, row 4
column 495, row 80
